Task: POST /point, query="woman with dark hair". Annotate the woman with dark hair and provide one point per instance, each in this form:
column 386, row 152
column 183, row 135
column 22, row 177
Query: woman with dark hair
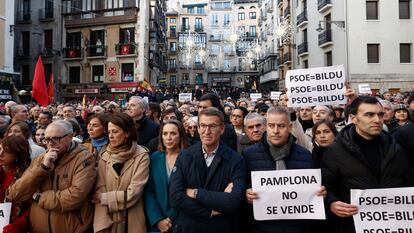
column 122, row 175
column 172, row 140
column 14, row 160
column 21, row 128
column 39, row 136
column 324, row 133
column 98, row 138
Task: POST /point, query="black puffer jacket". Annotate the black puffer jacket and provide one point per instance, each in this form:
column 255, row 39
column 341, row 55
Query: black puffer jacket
column 345, row 168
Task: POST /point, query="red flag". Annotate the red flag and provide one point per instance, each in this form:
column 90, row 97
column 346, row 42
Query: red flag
column 94, row 102
column 51, row 89
column 39, row 89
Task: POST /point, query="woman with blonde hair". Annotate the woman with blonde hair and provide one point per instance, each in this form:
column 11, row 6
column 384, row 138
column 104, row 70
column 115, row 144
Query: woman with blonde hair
column 122, row 175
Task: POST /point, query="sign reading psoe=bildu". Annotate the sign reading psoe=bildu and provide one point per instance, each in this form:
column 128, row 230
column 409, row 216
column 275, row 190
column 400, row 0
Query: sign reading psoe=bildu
column 316, row 86
column 288, row 194
column 384, row 210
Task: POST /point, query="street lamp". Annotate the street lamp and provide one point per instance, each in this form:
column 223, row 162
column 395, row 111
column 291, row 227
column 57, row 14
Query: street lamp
column 340, row 24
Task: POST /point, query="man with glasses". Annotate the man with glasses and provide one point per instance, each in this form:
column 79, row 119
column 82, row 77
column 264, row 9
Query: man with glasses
column 362, row 156
column 208, row 181
column 59, row 183
column 277, row 150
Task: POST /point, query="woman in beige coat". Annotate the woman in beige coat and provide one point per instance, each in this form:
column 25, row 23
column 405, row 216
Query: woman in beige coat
column 122, row 175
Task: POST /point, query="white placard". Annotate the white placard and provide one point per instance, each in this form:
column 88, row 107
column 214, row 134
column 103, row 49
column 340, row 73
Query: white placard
column 365, row 88
column 288, row 194
column 274, row 95
column 316, row 86
column 5, row 210
column 185, row 97
column 145, row 98
column 255, row 96
column 384, row 210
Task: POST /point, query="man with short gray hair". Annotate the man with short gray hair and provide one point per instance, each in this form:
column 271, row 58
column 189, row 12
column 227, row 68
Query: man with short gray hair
column 146, row 128
column 254, row 127
column 59, row 183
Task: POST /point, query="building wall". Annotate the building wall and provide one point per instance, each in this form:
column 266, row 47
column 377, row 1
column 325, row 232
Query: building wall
column 6, row 37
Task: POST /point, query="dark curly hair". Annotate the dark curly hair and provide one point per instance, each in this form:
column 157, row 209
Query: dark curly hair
column 19, row 147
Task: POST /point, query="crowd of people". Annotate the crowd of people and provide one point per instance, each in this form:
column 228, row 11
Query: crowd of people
column 170, row 166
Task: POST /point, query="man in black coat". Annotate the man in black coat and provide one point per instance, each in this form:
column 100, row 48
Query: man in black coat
column 146, row 128
column 361, row 157
column 208, row 181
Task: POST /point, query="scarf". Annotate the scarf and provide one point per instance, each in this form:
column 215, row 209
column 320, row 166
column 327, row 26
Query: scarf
column 122, row 153
column 99, row 143
column 278, row 153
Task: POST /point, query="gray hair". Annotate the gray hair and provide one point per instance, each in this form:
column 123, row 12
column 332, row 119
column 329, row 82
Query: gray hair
column 386, row 102
column 256, row 116
column 278, row 110
column 142, row 103
column 16, row 108
column 62, row 124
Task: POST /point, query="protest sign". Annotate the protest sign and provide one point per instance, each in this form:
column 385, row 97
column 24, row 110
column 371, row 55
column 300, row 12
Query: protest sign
column 185, row 97
column 274, row 95
column 316, row 86
column 145, row 99
column 384, row 210
column 255, row 96
column 6, row 87
column 287, row 194
column 364, row 88
column 5, row 209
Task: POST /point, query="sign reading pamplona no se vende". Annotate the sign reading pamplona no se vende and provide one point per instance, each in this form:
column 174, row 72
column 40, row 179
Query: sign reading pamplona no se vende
column 288, row 194
column 316, row 86
column 384, row 210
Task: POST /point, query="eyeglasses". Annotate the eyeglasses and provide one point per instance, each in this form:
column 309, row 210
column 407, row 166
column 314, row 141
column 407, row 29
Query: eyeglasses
column 213, row 127
column 53, row 139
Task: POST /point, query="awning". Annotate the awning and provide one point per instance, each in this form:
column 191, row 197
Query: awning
column 123, row 87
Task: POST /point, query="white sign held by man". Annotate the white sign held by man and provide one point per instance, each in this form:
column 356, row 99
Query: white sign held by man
column 364, row 88
column 275, row 95
column 185, row 97
column 384, row 210
column 5, row 210
column 255, row 96
column 288, row 194
column 316, row 86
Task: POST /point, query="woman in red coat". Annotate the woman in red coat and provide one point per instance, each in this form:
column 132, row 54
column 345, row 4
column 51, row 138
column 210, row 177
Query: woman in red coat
column 14, row 160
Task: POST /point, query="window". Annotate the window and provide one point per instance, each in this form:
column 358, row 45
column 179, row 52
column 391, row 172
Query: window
column 73, row 40
column 214, row 19
column 173, row 80
column 305, row 64
column 190, row 10
column 372, row 9
column 198, row 24
column 173, row 46
column 173, row 31
column 252, row 15
column 404, row 9
column 226, row 19
column 199, row 78
column 241, row 16
column 97, row 43
column 173, row 20
column 74, row 74
column 405, row 53
column 328, row 57
column 25, row 69
column 186, row 24
column 26, row 10
column 48, row 70
column 252, row 31
column 127, row 72
column 200, row 10
column 98, row 74
column 373, row 53
column 173, row 63
column 241, row 30
column 25, row 50
column 186, row 79
column 127, row 35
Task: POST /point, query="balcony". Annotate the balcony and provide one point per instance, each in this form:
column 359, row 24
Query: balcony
column 126, row 49
column 215, row 38
column 325, row 38
column 302, row 18
column 96, row 51
column 46, row 15
column 172, row 68
column 199, row 66
column 198, row 28
column 72, row 53
column 48, row 52
column 303, row 49
column 23, row 53
column 172, row 51
column 173, row 34
column 287, row 58
column 23, row 17
column 287, row 12
column 185, row 28
column 324, row 5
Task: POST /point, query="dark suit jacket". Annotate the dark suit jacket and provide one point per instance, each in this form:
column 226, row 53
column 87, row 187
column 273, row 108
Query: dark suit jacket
column 157, row 205
column 191, row 171
column 147, row 130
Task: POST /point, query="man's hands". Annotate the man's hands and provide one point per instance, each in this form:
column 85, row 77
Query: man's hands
column 50, row 158
column 164, row 225
column 191, row 192
column 322, row 192
column 342, row 209
column 251, row 195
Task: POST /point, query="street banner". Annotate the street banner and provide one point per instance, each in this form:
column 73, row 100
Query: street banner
column 185, row 97
column 384, row 210
column 255, row 96
column 6, row 87
column 275, row 95
column 316, row 86
column 5, row 210
column 364, row 88
column 287, row 194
